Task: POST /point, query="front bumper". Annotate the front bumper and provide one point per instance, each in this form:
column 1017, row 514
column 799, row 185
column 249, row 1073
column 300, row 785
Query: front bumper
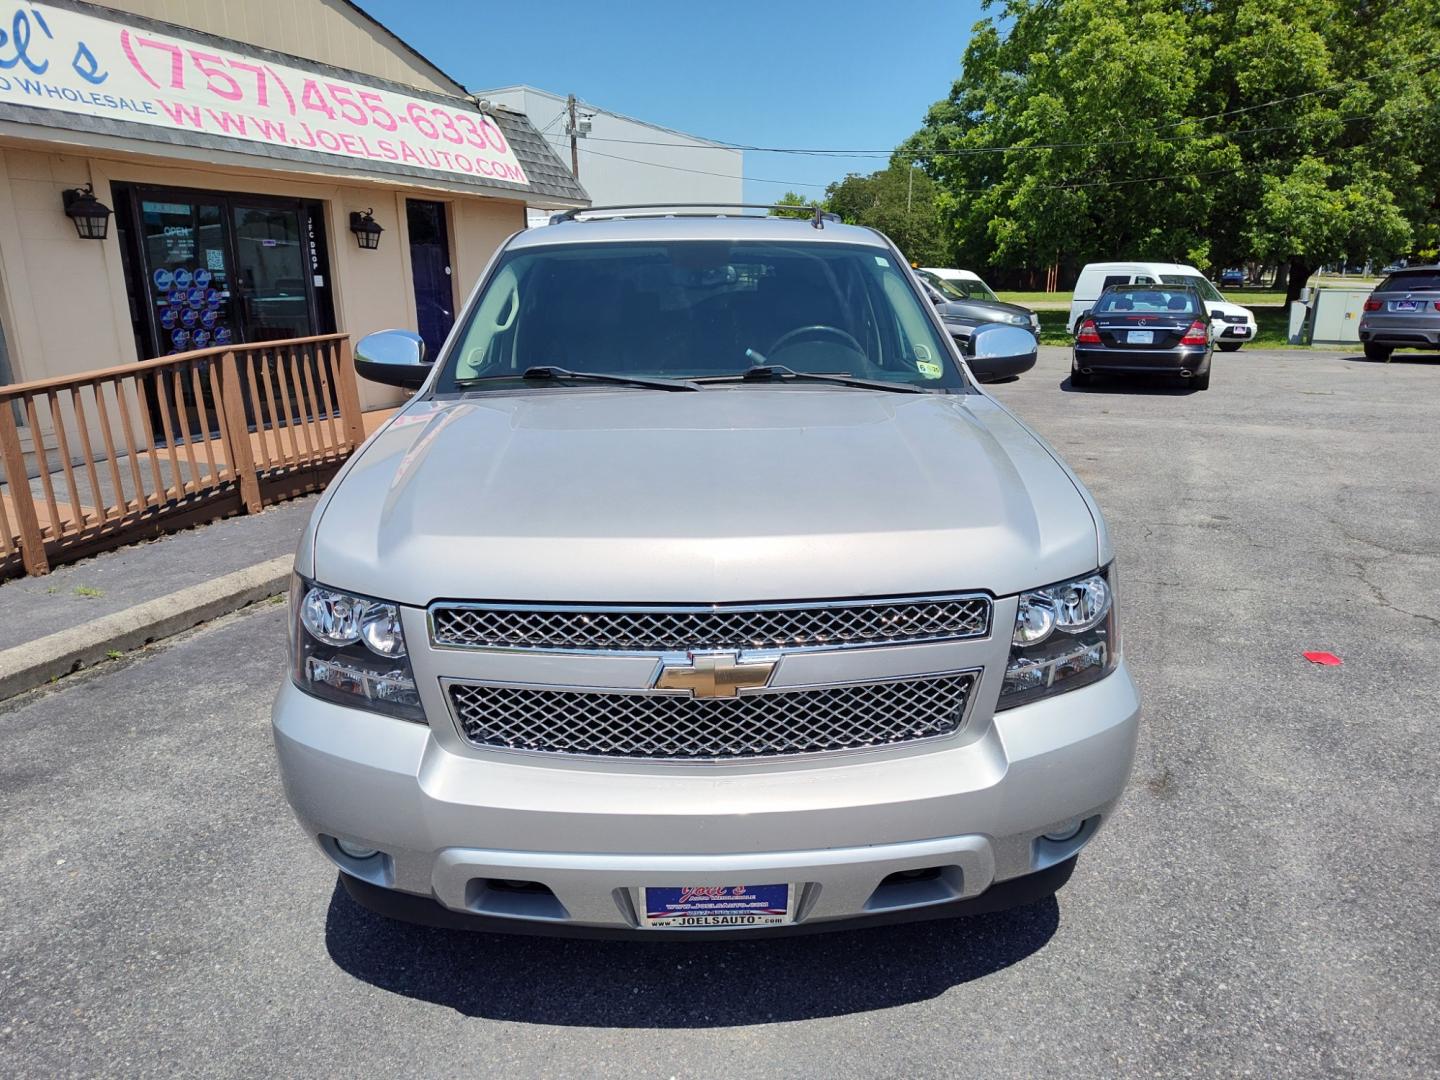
column 456, row 827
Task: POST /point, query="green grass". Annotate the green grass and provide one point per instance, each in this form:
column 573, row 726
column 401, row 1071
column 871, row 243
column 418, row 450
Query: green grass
column 1037, row 301
column 88, row 592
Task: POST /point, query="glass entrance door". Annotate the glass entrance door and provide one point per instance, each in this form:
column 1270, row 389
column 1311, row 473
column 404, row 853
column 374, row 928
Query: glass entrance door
column 184, row 256
column 205, row 269
column 209, row 269
column 271, row 267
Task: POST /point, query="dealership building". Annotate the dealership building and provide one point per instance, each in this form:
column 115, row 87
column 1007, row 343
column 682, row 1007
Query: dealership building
column 178, row 175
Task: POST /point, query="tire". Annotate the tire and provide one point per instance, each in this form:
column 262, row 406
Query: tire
column 1200, row 382
column 1079, row 378
column 1378, row 353
column 1230, row 346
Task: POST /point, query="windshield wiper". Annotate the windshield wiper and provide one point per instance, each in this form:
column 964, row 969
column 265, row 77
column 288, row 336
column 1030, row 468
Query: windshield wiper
column 549, row 371
column 780, row 371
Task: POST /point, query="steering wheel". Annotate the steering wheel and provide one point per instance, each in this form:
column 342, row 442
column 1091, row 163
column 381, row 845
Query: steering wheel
column 816, row 330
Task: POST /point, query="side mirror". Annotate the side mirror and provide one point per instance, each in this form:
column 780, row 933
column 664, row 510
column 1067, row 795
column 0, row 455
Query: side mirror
column 393, row 357
column 1000, row 350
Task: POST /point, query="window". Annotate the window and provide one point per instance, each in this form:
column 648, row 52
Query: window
column 689, row 309
column 1199, row 284
column 1414, row 280
column 1148, row 301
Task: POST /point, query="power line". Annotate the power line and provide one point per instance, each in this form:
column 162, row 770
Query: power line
column 969, row 151
column 827, row 152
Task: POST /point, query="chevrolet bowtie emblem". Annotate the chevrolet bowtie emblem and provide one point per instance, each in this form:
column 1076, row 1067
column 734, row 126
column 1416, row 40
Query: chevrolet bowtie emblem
column 709, row 675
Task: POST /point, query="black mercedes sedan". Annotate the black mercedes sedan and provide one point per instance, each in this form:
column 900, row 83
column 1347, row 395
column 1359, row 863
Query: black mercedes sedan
column 1144, row 330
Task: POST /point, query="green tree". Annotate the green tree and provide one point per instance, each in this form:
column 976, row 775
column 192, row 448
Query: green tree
column 1290, row 131
column 899, row 200
column 791, row 198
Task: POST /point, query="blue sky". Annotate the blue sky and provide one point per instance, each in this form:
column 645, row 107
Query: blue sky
column 845, row 74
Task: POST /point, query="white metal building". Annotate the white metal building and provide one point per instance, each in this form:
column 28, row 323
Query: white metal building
column 625, row 160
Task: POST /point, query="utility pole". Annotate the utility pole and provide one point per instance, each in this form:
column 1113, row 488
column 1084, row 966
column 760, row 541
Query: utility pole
column 574, row 139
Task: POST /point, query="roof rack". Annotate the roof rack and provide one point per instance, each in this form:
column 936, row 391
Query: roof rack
column 818, row 217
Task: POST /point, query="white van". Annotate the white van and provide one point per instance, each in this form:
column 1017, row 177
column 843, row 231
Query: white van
column 1231, row 324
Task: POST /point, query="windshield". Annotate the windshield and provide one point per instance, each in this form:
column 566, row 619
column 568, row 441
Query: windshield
column 689, row 309
column 1196, row 282
column 1411, row 280
column 939, row 284
column 1150, row 301
column 966, row 289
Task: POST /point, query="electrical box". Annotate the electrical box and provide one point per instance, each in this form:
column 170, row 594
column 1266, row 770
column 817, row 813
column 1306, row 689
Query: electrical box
column 1336, row 319
column 1299, row 323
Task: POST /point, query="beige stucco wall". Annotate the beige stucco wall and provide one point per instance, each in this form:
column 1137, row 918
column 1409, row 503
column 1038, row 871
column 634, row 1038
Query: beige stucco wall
column 329, row 31
column 62, row 299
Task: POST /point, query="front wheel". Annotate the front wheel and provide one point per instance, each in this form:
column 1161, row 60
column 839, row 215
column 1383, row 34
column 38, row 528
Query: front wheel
column 1380, row 353
column 1230, row 346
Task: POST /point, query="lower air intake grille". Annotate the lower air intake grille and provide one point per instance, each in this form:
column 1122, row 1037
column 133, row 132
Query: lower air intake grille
column 679, row 727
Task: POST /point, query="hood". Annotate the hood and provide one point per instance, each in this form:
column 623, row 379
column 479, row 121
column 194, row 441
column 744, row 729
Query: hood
column 981, row 310
column 1228, row 308
column 736, row 494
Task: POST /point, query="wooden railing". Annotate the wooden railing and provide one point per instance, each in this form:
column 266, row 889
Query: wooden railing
column 97, row 460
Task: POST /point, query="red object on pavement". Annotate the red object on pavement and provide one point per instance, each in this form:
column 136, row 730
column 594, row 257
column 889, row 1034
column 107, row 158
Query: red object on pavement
column 1329, row 659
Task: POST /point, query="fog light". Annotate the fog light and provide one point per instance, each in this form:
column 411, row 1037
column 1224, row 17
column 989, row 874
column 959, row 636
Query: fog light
column 1066, row 830
column 355, row 851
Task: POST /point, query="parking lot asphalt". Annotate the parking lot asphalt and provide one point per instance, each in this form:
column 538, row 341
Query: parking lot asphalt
column 1265, row 902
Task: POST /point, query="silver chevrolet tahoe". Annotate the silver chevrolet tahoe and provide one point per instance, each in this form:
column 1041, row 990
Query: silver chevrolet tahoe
column 699, row 588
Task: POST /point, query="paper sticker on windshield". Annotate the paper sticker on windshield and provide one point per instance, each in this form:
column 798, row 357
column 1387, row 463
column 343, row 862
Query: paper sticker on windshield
column 880, row 260
column 924, row 364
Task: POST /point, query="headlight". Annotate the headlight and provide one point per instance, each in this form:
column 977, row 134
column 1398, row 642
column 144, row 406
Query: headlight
column 1019, row 320
column 351, row 650
column 1065, row 637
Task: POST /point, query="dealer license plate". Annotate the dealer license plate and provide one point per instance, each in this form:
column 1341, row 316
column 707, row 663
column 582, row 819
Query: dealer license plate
column 1238, row 331
column 1140, row 337
column 716, row 907
column 1404, row 305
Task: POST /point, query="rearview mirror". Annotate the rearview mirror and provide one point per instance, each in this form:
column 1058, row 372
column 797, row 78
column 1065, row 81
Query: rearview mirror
column 393, row 357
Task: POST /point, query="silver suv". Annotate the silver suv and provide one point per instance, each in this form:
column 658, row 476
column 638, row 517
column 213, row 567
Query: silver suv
column 1402, row 313
column 700, row 588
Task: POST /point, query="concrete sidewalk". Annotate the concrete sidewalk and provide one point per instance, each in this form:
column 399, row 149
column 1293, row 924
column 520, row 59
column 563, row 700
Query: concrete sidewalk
column 81, row 612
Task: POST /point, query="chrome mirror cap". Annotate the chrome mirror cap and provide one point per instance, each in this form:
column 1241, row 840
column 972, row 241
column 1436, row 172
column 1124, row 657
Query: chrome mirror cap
column 392, row 357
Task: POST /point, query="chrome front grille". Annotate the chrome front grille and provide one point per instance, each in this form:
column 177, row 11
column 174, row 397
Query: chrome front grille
column 680, row 629
column 768, row 723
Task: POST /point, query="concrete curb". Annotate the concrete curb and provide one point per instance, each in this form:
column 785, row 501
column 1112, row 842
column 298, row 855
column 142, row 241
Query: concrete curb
column 36, row 663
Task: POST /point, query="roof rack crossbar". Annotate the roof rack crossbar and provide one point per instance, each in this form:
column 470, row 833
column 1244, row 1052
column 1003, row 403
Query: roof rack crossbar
column 818, row 215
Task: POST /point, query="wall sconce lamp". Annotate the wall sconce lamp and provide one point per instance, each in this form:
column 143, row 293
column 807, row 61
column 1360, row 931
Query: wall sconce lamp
column 366, row 229
column 90, row 215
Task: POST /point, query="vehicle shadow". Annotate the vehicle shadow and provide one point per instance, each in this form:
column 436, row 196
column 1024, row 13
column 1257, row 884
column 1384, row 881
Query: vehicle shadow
column 1134, row 386
column 1398, row 358
column 666, row 984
